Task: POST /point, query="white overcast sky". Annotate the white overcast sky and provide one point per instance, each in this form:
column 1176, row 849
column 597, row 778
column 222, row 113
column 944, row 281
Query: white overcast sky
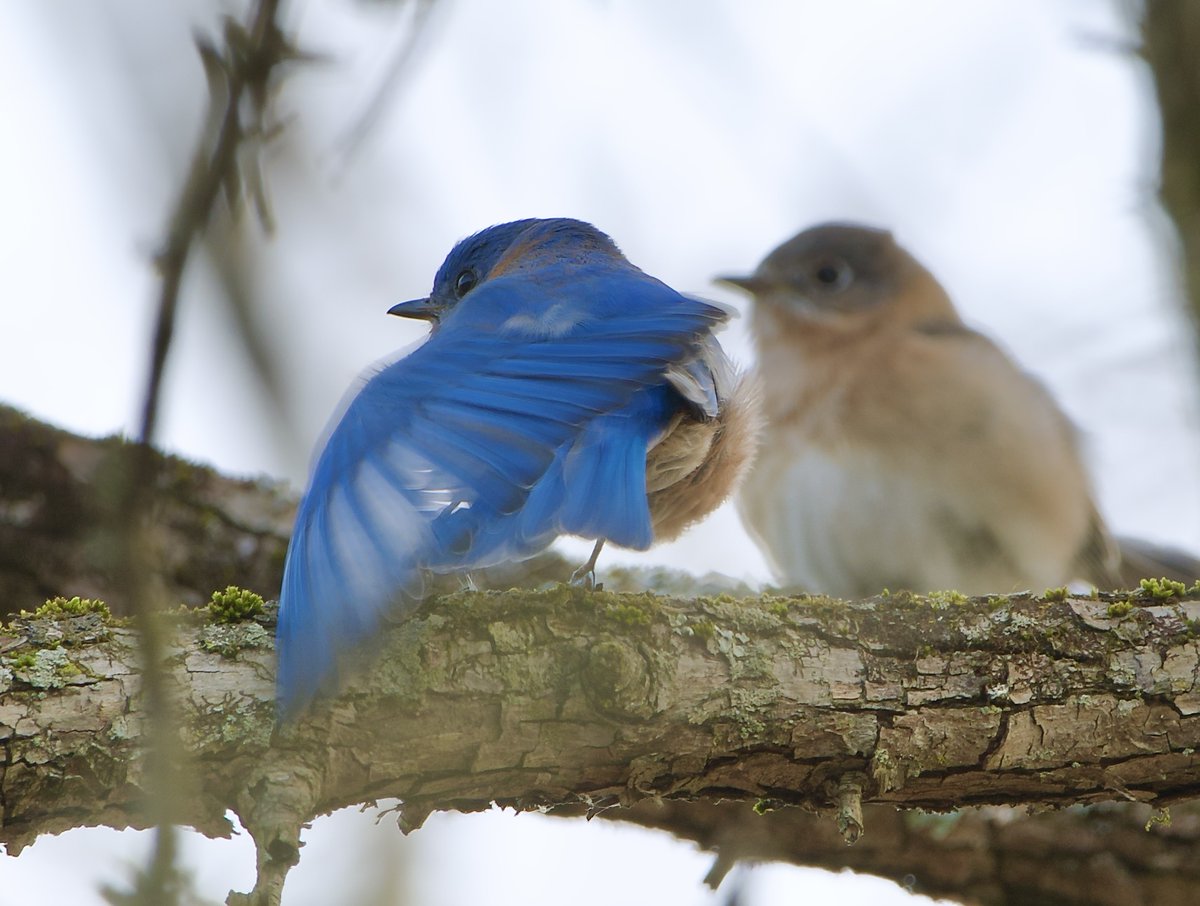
column 1011, row 147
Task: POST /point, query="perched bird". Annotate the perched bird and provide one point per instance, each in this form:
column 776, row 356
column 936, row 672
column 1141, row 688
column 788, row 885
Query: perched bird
column 561, row 391
column 902, row 449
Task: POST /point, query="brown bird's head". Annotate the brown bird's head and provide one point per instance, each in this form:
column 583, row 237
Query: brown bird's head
column 844, row 276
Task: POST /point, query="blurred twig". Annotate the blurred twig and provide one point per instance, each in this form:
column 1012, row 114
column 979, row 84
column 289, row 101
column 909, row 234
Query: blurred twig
column 1171, row 47
column 244, row 69
column 402, row 56
column 241, row 70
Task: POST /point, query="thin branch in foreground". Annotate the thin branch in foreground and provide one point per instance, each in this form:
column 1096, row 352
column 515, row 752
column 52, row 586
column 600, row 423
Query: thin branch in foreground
column 246, row 66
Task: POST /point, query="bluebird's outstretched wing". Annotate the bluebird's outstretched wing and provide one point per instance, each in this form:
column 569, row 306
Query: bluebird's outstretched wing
column 526, row 415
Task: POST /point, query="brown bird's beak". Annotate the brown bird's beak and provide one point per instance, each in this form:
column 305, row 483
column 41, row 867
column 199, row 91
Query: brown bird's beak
column 421, row 309
column 751, row 283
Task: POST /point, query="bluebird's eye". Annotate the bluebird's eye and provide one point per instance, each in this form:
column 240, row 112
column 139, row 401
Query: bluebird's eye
column 834, row 275
column 465, row 282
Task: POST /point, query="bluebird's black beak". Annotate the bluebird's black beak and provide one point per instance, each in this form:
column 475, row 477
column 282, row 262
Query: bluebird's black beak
column 422, row 309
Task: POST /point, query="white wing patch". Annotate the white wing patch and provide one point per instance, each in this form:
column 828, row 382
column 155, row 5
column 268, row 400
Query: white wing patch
column 393, row 514
column 557, row 320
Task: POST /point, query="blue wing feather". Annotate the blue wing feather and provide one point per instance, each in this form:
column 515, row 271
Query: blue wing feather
column 609, row 465
column 525, row 416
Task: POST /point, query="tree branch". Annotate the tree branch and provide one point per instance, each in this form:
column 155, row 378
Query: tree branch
column 561, row 698
column 57, row 497
column 558, row 697
column 1111, row 854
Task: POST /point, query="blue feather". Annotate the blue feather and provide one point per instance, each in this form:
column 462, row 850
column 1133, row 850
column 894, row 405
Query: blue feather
column 526, row 415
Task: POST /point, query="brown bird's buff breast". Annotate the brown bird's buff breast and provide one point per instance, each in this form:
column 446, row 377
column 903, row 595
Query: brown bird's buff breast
column 889, row 459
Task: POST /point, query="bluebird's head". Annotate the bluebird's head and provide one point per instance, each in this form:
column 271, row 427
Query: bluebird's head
column 503, row 249
column 843, row 274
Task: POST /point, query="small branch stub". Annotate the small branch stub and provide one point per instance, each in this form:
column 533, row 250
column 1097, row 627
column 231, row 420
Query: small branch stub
column 849, row 806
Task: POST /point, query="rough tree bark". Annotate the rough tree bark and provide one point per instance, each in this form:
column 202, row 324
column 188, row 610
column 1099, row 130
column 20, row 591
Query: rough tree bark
column 653, row 708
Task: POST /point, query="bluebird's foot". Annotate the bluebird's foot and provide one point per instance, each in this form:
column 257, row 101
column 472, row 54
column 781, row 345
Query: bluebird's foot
column 467, row 582
column 586, row 574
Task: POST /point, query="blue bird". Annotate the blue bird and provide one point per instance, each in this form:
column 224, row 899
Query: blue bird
column 561, row 391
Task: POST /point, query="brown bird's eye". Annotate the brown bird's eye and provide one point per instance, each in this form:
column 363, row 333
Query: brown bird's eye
column 832, row 274
column 465, row 282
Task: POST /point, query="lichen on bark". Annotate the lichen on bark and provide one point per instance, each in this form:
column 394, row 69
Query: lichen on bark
column 563, row 698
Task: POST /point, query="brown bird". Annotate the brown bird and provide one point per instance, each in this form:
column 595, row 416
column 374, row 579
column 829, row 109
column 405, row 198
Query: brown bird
column 902, row 449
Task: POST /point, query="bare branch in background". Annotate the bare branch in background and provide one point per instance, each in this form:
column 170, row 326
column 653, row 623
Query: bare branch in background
column 402, row 57
column 1171, row 47
column 1113, row 854
column 209, row 531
